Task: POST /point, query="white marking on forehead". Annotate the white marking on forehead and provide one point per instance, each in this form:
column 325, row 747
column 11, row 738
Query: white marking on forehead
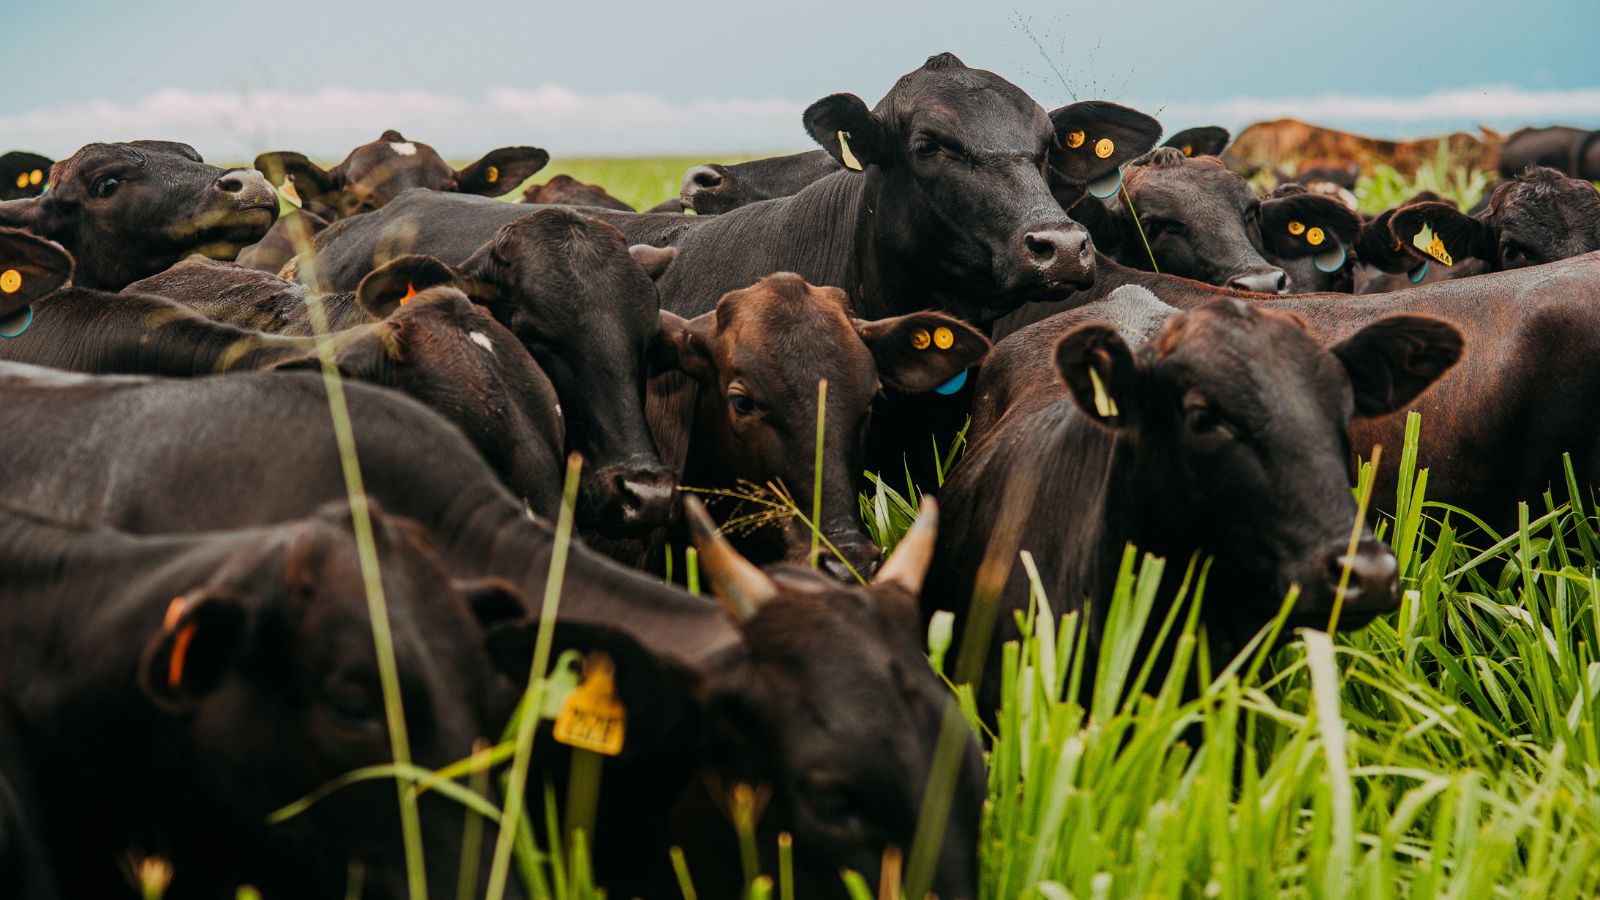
column 403, row 148
column 482, row 340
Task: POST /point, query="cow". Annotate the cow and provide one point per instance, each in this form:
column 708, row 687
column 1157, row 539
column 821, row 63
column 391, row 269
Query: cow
column 372, row 175
column 235, row 672
column 1266, row 145
column 565, row 190
column 755, row 362
column 712, row 188
column 24, row 861
column 130, row 210
column 1221, row 431
column 1196, row 219
column 1205, row 140
column 580, row 300
column 180, row 446
column 1537, row 217
column 31, row 269
column 438, row 347
column 23, row 174
column 1572, row 151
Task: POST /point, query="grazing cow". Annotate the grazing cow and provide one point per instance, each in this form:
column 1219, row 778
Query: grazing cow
column 713, row 188
column 1570, row 150
column 1538, row 217
column 23, row 174
column 578, row 298
column 1201, row 221
column 1223, row 430
column 1266, row 145
column 372, row 175
column 234, row 672
column 438, row 347
column 565, row 190
column 24, row 861
column 1206, row 140
column 130, row 210
column 180, row 447
column 756, row 360
column 846, row 779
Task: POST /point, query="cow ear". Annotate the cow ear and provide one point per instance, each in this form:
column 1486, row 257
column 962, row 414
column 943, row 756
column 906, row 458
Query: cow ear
column 493, row 601
column 654, row 260
column 685, row 345
column 919, row 352
column 309, row 180
column 201, row 637
column 1440, row 232
column 1101, row 373
column 1207, row 140
column 1377, row 247
column 501, row 170
column 1396, row 358
column 23, row 174
column 848, row 130
column 30, row 268
column 1300, row 225
column 393, row 284
column 1094, row 138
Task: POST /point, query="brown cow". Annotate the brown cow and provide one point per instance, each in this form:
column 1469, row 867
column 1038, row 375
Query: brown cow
column 1266, row 145
column 565, row 190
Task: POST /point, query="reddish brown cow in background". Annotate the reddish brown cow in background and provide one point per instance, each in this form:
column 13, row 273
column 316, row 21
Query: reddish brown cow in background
column 1266, row 145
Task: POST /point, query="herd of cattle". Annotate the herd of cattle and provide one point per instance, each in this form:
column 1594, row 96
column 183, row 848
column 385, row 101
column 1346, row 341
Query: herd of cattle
column 1176, row 362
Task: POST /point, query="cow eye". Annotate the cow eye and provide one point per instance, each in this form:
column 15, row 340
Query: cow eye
column 1154, row 227
column 1202, row 420
column 925, row 148
column 351, row 705
column 104, row 186
column 1513, row 254
column 837, row 810
column 741, row 404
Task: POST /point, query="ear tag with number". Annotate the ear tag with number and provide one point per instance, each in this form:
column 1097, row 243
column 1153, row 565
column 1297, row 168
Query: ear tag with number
column 1429, row 243
column 953, row 385
column 1331, row 259
column 850, row 161
column 1106, row 185
column 592, row 718
column 1103, row 404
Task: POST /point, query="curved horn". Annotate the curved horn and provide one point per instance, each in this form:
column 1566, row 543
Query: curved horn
column 908, row 564
column 741, row 588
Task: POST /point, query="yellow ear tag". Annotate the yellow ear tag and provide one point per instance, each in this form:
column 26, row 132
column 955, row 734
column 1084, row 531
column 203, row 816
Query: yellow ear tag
column 592, row 718
column 35, row 176
column 411, row 291
column 943, row 338
column 1297, row 228
column 10, row 281
column 850, row 161
column 22, row 180
column 920, row 339
column 1104, row 147
column 1314, row 236
column 1075, row 140
column 491, row 174
column 1188, row 150
column 290, row 194
column 1103, row 404
column 1429, row 243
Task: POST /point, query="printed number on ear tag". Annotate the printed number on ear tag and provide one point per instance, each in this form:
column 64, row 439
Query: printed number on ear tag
column 850, row 161
column 592, row 718
column 1106, row 185
column 1103, row 404
column 1429, row 243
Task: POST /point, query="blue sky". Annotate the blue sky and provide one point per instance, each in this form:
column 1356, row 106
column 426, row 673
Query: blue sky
column 726, row 76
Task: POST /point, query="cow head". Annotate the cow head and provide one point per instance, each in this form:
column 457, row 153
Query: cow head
column 1311, row 236
column 1538, row 217
column 23, row 174
column 757, row 359
column 30, row 269
column 568, row 191
column 585, row 306
column 714, row 188
column 269, row 668
column 375, row 173
column 956, row 161
column 1239, row 422
column 127, row 211
column 819, row 698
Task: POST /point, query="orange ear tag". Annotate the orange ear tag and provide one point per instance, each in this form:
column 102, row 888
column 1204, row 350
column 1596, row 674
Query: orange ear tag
column 943, row 338
column 411, row 291
column 180, row 644
column 491, row 175
column 10, row 281
column 1075, row 140
column 592, row 718
column 35, row 176
column 920, row 339
column 22, row 180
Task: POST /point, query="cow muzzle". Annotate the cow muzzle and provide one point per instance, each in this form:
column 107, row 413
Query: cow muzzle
column 1057, row 254
column 628, row 500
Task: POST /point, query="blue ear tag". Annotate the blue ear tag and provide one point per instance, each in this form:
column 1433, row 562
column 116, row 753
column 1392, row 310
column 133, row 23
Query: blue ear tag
column 10, row 329
column 1331, row 259
column 1106, row 185
column 953, row 385
column 1420, row 272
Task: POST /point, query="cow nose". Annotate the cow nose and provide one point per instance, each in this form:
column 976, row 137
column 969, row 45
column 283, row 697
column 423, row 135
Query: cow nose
column 246, row 184
column 702, row 178
column 1374, row 585
column 856, row 556
column 646, row 497
column 1058, row 254
column 1264, row 281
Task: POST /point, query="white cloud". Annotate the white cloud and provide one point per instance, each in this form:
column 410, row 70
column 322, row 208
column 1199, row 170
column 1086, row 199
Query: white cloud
column 328, row 122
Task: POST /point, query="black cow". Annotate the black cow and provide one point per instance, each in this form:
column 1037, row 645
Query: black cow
column 1538, row 217
column 1224, row 430
column 31, row 268
column 130, row 210
column 24, row 861
column 565, row 190
column 23, row 174
column 1204, row 140
column 234, row 672
column 372, row 175
column 1573, row 151
column 712, row 188
column 180, row 447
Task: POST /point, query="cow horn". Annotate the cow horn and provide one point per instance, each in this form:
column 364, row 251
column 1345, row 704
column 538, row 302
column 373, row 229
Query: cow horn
column 741, row 588
column 908, row 564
